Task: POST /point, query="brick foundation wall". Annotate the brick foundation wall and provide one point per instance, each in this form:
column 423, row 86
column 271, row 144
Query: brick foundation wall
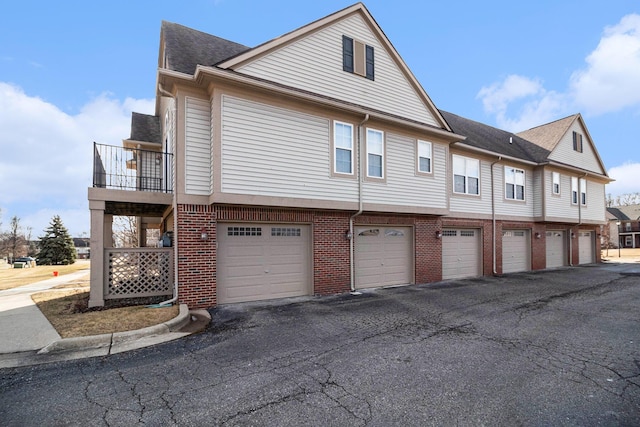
column 330, row 249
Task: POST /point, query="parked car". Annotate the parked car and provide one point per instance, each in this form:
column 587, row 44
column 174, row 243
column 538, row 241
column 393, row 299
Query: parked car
column 27, row 260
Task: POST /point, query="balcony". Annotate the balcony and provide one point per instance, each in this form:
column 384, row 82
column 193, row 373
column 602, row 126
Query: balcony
column 120, row 168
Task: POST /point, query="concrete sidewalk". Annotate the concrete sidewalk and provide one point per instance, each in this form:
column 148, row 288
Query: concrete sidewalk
column 27, row 337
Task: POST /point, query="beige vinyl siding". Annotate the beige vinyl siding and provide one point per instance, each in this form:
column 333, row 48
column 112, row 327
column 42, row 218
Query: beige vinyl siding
column 595, row 208
column 403, row 186
column 511, row 207
column 465, row 203
column 272, row 151
column 197, row 147
column 565, row 153
column 559, row 206
column 537, row 192
column 314, row 63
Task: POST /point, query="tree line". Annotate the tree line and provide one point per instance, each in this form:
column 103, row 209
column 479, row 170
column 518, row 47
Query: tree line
column 54, row 247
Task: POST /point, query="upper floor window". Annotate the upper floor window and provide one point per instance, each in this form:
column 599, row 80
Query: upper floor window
column 555, row 182
column 424, row 157
column 514, row 183
column 583, row 191
column 357, row 57
column 466, row 175
column 577, row 142
column 574, row 190
column 343, row 148
column 627, row 226
column 375, row 153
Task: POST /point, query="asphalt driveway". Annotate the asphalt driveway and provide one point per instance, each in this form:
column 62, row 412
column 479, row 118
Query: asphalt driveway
column 550, row 348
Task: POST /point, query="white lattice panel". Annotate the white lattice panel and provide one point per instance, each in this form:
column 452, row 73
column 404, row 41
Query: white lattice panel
column 138, row 273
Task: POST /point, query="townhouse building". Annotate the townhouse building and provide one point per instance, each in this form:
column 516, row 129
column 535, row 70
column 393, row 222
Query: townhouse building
column 315, row 164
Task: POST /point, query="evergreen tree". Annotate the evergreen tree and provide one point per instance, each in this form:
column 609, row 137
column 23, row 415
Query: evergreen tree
column 56, row 246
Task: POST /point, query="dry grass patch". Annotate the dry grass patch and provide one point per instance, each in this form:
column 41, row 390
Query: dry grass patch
column 69, row 314
column 15, row 277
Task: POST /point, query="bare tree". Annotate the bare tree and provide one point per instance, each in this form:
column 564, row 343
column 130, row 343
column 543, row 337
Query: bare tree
column 125, row 232
column 17, row 240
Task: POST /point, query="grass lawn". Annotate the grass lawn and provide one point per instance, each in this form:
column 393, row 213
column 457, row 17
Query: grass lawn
column 68, row 313
column 66, row 305
column 14, row 277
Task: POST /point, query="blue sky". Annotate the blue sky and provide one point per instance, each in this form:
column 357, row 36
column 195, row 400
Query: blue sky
column 71, row 72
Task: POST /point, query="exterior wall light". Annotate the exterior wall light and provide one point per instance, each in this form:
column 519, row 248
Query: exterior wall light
column 203, row 234
column 348, row 235
column 438, row 234
column 573, row 235
column 538, row 235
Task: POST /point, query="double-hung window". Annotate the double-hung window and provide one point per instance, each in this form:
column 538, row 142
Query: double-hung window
column 514, row 183
column 466, row 175
column 357, row 58
column 343, row 148
column 574, row 190
column 375, row 153
column 583, row 191
column 424, row 157
column 555, row 183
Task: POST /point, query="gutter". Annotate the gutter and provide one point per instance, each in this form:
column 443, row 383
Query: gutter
column 360, row 205
column 493, row 217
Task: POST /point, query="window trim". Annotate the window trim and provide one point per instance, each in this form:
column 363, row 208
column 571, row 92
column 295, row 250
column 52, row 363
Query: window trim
column 418, row 157
column 383, row 159
column 553, row 183
column 583, row 191
column 575, row 191
column 466, row 184
column 334, row 148
column 524, row 185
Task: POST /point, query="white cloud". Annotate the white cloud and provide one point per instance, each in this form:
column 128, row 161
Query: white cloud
column 46, row 154
column 609, row 82
column 626, row 179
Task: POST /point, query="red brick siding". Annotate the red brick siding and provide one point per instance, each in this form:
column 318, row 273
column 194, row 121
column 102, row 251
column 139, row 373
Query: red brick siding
column 331, row 259
column 196, row 258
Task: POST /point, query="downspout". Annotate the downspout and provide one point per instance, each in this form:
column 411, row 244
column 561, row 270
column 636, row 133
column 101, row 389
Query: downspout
column 493, row 217
column 360, row 205
column 175, row 212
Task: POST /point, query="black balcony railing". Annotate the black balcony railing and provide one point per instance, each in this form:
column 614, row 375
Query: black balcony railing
column 132, row 169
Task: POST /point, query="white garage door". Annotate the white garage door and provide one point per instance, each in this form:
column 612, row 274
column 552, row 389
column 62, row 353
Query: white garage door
column 384, row 256
column 263, row 261
column 585, row 247
column 556, row 254
column 461, row 249
column 516, row 253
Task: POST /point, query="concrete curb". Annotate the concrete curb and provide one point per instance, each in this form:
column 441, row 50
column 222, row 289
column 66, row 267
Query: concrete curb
column 109, row 340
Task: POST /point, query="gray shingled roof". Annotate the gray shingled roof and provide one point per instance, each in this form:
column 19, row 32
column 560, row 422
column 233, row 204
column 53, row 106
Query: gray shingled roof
column 186, row 48
column 630, row 212
column 495, row 140
column 145, row 128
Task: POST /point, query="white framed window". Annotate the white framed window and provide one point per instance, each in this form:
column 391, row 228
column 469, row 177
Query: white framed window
column 628, row 241
column 555, row 183
column 627, row 226
column 342, row 148
column 513, row 183
column 375, row 153
column 424, row 162
column 583, row 191
column 574, row 190
column 466, row 175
